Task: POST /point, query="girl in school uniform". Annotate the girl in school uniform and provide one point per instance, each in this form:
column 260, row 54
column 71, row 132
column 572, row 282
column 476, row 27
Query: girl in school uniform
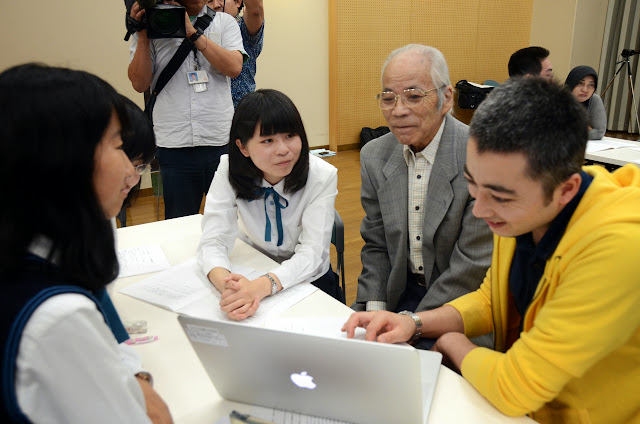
column 66, row 173
column 271, row 193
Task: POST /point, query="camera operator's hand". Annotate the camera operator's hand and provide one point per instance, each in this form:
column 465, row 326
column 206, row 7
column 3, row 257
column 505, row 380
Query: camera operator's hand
column 139, row 71
column 137, row 12
column 188, row 26
column 187, row 22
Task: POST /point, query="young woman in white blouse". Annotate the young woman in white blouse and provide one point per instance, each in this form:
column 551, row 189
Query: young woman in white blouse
column 271, row 193
column 66, row 173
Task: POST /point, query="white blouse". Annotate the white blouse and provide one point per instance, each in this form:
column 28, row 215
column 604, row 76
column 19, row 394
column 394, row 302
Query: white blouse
column 307, row 222
column 70, row 369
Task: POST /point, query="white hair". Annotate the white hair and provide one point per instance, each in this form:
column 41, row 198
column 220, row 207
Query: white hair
column 439, row 68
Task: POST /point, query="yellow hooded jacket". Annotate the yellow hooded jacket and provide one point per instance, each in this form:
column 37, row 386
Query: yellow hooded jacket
column 578, row 357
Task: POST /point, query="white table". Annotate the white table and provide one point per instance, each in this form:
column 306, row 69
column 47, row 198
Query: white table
column 178, row 374
column 619, row 156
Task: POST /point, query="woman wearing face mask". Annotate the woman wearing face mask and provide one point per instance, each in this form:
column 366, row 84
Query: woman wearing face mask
column 270, row 192
column 583, row 82
column 63, row 166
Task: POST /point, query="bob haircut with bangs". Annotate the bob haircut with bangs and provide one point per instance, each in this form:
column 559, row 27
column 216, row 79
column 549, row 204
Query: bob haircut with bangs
column 275, row 113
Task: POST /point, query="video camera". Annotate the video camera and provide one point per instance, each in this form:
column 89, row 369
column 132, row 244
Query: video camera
column 160, row 20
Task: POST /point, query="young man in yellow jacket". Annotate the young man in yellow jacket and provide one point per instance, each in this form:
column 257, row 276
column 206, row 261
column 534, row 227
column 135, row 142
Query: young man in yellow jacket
column 561, row 296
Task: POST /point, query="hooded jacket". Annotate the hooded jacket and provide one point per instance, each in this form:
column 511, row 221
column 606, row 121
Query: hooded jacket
column 578, row 357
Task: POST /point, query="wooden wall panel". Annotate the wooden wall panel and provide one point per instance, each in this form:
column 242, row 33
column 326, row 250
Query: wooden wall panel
column 476, row 36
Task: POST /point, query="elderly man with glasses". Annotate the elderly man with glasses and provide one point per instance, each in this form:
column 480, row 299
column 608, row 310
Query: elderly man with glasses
column 423, row 246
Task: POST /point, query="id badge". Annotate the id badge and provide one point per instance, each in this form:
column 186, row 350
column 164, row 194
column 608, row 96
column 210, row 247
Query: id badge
column 199, row 80
column 197, row 77
column 199, row 88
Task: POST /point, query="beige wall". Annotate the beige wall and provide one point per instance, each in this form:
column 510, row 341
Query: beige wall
column 295, row 60
column 73, row 33
column 588, row 33
column 89, row 36
column 295, row 56
column 571, row 29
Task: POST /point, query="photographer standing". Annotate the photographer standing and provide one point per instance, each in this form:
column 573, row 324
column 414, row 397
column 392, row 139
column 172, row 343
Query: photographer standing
column 191, row 118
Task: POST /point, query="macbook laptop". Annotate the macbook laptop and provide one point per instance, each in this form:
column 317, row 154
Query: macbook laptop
column 336, row 378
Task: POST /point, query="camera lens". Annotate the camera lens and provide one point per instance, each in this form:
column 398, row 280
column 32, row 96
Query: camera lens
column 165, row 21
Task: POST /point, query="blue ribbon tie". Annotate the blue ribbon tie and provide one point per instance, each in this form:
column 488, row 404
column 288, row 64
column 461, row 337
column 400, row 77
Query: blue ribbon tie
column 269, row 191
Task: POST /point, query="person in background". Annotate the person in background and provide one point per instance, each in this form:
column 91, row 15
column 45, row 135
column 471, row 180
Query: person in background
column 273, row 194
column 561, row 296
column 423, row 246
column 191, row 121
column 139, row 143
column 252, row 29
column 582, row 81
column 531, row 61
column 61, row 362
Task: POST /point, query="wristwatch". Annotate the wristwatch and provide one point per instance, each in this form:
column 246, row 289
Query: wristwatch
column 418, row 322
column 274, row 285
column 196, row 35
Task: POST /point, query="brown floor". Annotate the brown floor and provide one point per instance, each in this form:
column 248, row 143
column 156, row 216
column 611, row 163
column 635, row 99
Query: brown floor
column 348, row 205
column 623, row 135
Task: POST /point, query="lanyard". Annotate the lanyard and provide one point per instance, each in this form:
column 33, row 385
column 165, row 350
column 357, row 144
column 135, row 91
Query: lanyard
column 196, row 63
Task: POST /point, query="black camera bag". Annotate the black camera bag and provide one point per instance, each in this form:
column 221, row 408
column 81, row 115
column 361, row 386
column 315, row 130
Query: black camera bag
column 470, row 96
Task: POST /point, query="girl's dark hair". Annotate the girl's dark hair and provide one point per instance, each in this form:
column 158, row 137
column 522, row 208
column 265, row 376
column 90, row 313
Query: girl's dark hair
column 138, row 140
column 51, row 121
column 275, row 113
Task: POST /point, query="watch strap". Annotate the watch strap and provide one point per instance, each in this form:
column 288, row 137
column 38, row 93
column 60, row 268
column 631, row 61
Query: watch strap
column 417, row 321
column 196, row 35
column 274, row 285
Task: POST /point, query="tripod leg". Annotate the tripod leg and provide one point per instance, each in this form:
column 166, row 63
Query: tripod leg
column 613, row 78
column 632, row 105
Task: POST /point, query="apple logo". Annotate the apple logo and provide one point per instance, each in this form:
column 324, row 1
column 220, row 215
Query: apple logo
column 303, row 380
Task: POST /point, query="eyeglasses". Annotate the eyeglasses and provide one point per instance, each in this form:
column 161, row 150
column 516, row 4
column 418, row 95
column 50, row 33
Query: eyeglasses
column 411, row 97
column 143, row 169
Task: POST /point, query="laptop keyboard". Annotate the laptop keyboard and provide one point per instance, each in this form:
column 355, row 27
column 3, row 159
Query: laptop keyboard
column 278, row 416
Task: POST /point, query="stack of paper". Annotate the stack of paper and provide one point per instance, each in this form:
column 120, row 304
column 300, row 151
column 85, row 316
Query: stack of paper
column 186, row 290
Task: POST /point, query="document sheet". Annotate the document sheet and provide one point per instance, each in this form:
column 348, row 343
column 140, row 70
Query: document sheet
column 141, row 260
column 186, row 290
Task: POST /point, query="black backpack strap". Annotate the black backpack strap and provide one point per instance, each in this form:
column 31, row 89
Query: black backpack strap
column 167, row 73
column 180, row 55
